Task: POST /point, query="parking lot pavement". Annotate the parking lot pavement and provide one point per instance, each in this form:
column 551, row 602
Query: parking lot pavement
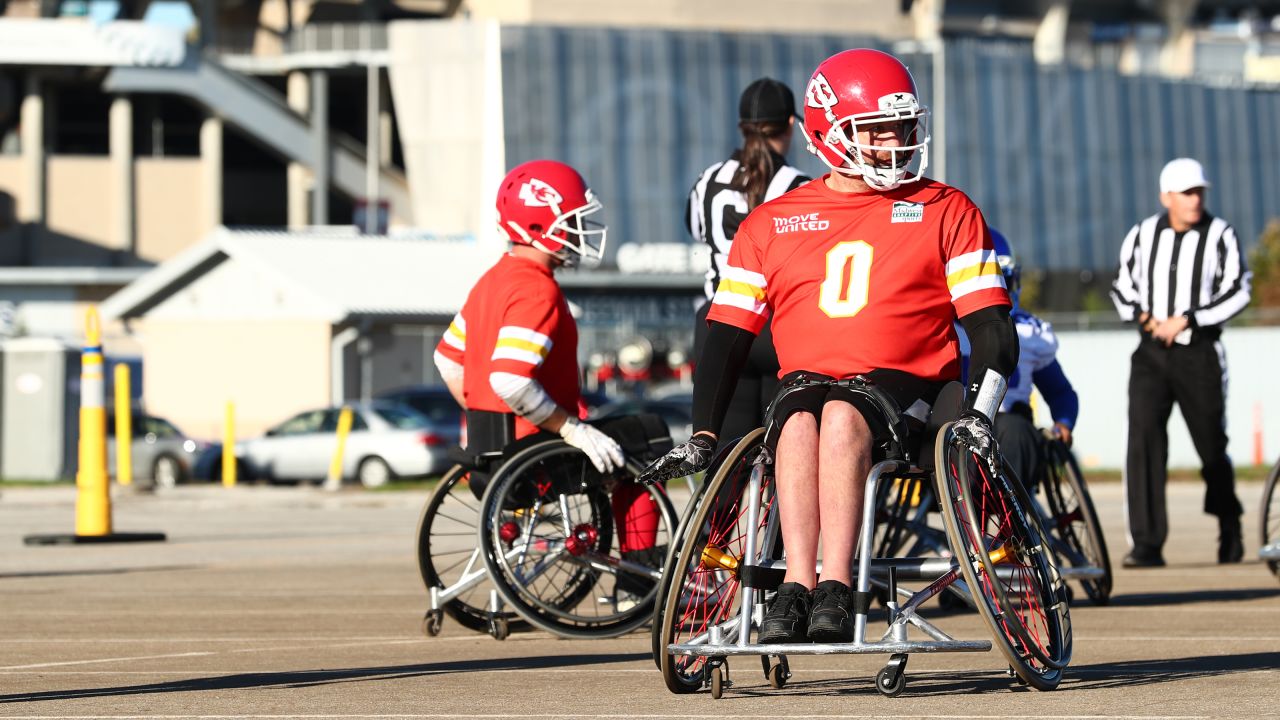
column 293, row 602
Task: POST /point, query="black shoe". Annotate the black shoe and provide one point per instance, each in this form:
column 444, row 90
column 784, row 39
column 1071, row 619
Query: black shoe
column 831, row 620
column 1143, row 558
column 1230, row 544
column 787, row 617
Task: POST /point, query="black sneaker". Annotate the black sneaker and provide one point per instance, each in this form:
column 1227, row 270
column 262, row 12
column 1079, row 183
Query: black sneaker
column 787, row 617
column 831, row 620
column 1230, row 544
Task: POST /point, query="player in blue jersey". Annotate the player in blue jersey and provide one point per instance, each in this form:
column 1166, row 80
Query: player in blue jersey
column 1038, row 369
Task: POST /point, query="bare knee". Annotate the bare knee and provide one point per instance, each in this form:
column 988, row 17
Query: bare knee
column 799, row 431
column 844, row 428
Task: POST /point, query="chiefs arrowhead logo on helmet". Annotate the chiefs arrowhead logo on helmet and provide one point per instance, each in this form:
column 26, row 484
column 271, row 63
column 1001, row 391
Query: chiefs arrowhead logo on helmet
column 819, row 93
column 536, row 193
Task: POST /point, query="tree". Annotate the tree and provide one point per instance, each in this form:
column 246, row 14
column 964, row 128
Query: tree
column 1264, row 262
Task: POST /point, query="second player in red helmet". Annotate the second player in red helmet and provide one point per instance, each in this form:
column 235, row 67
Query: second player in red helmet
column 547, row 204
column 864, row 272
column 510, row 356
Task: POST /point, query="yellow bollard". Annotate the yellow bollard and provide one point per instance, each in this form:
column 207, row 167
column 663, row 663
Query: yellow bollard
column 93, row 499
column 124, row 426
column 334, row 480
column 229, row 446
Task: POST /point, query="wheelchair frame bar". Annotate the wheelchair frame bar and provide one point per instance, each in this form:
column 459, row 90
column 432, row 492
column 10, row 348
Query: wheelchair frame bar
column 865, row 648
column 750, row 551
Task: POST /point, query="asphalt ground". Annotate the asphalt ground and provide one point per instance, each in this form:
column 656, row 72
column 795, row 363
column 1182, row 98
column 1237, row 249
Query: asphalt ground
column 291, row 602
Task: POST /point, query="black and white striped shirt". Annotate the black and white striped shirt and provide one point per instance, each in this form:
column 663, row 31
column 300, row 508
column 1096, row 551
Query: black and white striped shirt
column 715, row 210
column 1200, row 273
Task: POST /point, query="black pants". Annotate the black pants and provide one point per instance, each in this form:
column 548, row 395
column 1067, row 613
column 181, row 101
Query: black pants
column 1193, row 376
column 757, row 385
column 1020, row 443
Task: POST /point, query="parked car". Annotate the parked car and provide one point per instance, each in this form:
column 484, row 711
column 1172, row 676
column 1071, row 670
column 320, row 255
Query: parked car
column 676, row 410
column 435, row 404
column 162, row 456
column 387, row 440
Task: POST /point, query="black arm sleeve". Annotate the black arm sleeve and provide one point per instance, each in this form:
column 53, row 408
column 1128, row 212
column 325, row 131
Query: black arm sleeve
column 716, row 376
column 993, row 340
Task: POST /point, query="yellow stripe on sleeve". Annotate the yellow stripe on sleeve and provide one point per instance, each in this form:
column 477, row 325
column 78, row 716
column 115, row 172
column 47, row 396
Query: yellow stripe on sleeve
column 520, row 344
column 972, row 272
column 737, row 287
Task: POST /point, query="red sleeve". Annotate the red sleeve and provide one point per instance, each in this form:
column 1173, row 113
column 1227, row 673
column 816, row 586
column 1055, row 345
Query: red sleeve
column 741, row 298
column 454, row 343
column 528, row 324
column 973, row 276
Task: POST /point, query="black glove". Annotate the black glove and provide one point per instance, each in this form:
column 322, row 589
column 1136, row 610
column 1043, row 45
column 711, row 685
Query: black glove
column 684, row 459
column 975, row 431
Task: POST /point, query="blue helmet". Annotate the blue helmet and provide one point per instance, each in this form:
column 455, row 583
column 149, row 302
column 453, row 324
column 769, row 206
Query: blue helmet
column 1008, row 265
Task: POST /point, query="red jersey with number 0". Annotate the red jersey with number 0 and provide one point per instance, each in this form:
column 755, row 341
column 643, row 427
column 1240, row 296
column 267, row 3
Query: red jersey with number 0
column 516, row 320
column 860, row 281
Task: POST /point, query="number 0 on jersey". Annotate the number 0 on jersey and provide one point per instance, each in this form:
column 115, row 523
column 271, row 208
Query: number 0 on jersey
column 838, row 297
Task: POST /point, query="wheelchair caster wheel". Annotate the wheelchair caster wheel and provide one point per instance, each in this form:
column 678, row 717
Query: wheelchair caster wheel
column 718, row 683
column 778, row 675
column 499, row 628
column 1014, row 674
column 891, row 681
column 432, row 622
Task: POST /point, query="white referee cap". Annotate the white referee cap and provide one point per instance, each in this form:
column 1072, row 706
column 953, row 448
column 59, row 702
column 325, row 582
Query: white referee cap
column 1181, row 175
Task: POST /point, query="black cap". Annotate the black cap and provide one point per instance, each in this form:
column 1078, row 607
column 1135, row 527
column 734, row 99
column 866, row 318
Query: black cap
column 766, row 100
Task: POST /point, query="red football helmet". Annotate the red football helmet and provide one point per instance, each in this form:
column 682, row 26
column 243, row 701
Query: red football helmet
column 545, row 204
column 852, row 90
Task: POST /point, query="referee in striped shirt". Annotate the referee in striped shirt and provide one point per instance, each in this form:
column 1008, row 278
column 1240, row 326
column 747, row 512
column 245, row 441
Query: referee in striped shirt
column 1182, row 277
column 724, row 194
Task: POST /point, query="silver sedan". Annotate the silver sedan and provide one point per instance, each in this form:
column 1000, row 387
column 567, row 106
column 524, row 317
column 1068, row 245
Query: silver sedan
column 387, row 440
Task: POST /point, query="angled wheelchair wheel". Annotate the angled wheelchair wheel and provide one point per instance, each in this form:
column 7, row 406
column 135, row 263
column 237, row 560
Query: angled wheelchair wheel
column 668, row 568
column 1073, row 521
column 1006, row 562
column 554, row 551
column 727, row 454
column 1271, row 514
column 448, row 555
column 703, row 592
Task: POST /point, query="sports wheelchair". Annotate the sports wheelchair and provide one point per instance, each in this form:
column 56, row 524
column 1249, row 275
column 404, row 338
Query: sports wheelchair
column 1059, row 496
column 730, row 559
column 547, row 544
column 1270, row 521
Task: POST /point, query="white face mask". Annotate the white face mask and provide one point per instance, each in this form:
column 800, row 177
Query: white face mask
column 906, row 163
column 578, row 236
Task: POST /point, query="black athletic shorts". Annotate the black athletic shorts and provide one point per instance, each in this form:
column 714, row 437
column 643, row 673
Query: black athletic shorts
column 804, row 391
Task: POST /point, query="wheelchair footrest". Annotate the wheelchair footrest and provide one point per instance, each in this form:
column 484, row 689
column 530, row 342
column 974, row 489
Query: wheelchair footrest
column 866, row 648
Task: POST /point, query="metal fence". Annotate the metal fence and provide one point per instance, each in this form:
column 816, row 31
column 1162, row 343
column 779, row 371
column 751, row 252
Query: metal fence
column 1062, row 159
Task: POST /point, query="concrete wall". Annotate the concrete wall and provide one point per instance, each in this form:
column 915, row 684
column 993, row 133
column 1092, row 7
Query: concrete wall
column 1098, row 365
column 270, row 369
column 169, row 203
column 446, row 84
column 79, row 209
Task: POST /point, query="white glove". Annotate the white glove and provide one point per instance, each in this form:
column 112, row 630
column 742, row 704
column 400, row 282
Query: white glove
column 601, row 449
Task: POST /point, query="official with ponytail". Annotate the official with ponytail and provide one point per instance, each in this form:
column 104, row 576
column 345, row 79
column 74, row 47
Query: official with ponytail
column 721, row 198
